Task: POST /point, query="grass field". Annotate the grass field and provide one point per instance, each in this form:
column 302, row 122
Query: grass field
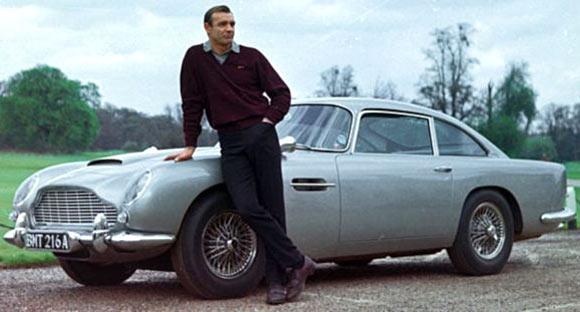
column 573, row 170
column 14, row 168
column 577, row 190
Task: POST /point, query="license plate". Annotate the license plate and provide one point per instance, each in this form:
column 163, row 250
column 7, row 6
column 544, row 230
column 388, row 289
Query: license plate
column 47, row 241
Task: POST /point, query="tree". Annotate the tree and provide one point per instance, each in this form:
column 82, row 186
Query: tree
column 562, row 124
column 128, row 129
column 446, row 84
column 208, row 135
column 90, row 94
column 337, row 83
column 516, row 97
column 386, row 90
column 44, row 111
column 504, row 132
column 539, row 147
column 505, row 116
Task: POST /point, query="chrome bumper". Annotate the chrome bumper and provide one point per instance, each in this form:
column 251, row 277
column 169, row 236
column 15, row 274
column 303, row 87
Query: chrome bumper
column 100, row 239
column 569, row 212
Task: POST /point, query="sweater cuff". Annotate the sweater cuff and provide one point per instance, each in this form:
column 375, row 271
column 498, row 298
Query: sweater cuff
column 274, row 115
column 190, row 140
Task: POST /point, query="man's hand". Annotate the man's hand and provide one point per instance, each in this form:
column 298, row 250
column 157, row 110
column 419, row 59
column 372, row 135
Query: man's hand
column 266, row 120
column 183, row 155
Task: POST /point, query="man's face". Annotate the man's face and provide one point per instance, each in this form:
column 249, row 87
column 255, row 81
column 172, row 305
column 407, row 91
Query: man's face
column 222, row 28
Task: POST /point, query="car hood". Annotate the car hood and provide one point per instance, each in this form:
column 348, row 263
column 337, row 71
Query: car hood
column 152, row 156
column 110, row 177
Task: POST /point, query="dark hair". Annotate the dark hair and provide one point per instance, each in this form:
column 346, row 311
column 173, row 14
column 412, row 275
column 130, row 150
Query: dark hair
column 215, row 9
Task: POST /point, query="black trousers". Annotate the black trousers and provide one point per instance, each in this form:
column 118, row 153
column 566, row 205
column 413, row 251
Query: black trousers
column 251, row 168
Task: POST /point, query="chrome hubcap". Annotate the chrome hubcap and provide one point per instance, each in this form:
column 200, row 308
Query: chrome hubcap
column 229, row 245
column 487, row 230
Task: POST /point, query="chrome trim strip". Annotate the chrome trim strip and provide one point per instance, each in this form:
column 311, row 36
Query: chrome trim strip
column 99, row 239
column 564, row 215
column 137, row 241
column 434, row 144
column 569, row 212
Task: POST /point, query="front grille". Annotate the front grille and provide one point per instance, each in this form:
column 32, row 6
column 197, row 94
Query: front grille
column 71, row 206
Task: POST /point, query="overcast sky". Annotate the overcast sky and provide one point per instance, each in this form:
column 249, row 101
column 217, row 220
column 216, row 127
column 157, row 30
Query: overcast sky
column 133, row 49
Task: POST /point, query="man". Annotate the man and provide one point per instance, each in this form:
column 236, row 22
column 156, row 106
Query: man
column 228, row 80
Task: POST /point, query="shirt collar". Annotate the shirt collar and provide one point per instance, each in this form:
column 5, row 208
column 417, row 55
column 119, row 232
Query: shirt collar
column 235, row 47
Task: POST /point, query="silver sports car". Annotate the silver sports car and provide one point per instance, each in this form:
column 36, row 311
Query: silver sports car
column 363, row 179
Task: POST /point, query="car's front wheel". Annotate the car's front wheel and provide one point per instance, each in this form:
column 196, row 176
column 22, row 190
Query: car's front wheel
column 485, row 237
column 217, row 255
column 92, row 274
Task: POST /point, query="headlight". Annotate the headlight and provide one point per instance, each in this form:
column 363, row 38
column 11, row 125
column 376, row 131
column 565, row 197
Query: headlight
column 25, row 189
column 123, row 217
column 13, row 216
column 138, row 188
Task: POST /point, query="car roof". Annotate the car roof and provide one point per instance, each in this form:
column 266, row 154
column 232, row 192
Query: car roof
column 356, row 105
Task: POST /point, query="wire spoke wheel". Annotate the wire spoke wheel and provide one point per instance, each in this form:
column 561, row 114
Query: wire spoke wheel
column 487, row 230
column 229, row 245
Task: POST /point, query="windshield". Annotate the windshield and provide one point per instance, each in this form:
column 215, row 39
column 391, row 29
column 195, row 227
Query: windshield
column 317, row 126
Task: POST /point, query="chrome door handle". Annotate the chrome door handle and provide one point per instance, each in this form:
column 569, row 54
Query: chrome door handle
column 443, row 169
column 313, row 184
column 310, row 184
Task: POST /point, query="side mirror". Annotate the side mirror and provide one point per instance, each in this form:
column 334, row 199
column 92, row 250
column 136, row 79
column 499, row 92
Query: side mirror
column 288, row 144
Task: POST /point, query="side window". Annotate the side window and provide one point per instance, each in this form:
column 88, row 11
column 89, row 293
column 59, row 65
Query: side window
column 393, row 134
column 454, row 141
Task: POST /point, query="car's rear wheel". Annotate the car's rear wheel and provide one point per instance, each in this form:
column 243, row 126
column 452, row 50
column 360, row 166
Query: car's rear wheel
column 92, row 274
column 217, row 255
column 354, row 263
column 485, row 237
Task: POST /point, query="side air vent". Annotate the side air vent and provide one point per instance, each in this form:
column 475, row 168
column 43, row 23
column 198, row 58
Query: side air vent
column 105, row 162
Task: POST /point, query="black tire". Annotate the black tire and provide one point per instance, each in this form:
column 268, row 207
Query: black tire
column 92, row 274
column 492, row 254
column 189, row 260
column 354, row 263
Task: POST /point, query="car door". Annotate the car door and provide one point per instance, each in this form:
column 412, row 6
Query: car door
column 311, row 188
column 393, row 187
column 312, row 198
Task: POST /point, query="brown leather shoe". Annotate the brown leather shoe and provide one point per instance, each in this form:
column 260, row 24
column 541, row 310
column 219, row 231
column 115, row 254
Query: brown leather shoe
column 276, row 294
column 298, row 279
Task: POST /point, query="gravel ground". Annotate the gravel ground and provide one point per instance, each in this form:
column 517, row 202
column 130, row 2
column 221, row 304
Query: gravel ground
column 541, row 275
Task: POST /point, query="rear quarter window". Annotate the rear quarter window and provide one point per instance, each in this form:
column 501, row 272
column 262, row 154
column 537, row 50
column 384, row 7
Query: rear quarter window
column 453, row 141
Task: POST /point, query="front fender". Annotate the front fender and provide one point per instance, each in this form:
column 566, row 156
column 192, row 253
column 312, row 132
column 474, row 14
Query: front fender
column 46, row 175
column 172, row 190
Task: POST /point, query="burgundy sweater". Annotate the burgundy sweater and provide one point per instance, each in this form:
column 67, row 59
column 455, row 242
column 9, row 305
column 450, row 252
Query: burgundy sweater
column 231, row 93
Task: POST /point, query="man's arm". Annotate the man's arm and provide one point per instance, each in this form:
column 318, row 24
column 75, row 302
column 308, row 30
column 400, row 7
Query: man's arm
column 191, row 102
column 276, row 89
column 192, row 106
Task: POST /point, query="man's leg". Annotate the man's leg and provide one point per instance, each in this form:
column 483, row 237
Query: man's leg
column 266, row 158
column 239, row 176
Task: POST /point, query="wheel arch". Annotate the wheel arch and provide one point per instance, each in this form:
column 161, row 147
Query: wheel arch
column 210, row 191
column 513, row 203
